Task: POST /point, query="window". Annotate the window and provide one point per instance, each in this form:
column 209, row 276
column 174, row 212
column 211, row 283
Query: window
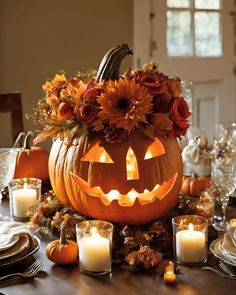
column 194, row 28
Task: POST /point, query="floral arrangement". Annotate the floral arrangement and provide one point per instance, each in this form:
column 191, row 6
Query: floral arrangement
column 143, row 99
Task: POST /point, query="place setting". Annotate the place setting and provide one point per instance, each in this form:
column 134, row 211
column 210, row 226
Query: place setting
column 124, row 194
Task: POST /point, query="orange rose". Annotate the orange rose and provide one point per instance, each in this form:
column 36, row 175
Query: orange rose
column 87, row 113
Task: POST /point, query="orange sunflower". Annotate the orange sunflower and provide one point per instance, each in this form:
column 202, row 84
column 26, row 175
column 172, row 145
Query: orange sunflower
column 125, row 104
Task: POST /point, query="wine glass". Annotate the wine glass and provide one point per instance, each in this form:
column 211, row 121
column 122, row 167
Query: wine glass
column 7, row 166
column 223, row 173
column 223, row 167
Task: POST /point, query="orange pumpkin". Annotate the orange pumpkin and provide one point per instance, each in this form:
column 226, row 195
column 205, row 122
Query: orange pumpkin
column 194, row 185
column 135, row 181
column 62, row 251
column 32, row 161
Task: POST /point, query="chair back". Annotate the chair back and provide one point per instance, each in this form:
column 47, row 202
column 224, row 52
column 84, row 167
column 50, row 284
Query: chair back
column 11, row 103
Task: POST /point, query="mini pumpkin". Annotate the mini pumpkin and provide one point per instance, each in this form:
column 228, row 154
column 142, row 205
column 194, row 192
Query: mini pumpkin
column 32, row 161
column 62, row 251
column 194, row 185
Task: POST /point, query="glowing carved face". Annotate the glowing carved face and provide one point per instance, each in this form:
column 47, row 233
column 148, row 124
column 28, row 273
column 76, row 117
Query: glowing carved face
column 126, row 172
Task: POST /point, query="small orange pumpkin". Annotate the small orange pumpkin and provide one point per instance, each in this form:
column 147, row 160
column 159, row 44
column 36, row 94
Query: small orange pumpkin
column 62, row 251
column 32, row 161
column 194, row 185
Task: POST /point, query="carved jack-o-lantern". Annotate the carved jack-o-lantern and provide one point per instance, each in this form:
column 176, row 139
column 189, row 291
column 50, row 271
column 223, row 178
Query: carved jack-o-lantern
column 134, row 181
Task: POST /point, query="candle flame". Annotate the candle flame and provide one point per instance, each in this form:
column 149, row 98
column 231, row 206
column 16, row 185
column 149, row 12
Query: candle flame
column 190, row 227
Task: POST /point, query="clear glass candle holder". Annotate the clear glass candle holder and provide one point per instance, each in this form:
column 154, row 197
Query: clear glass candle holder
column 190, row 239
column 94, row 238
column 24, row 193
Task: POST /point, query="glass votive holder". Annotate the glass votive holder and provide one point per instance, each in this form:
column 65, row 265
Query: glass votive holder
column 190, row 239
column 94, row 238
column 24, row 193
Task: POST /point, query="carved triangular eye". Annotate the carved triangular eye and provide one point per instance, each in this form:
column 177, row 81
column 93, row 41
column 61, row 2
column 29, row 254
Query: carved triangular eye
column 155, row 149
column 97, row 154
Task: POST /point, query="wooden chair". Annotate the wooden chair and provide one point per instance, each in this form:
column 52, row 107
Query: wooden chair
column 11, row 103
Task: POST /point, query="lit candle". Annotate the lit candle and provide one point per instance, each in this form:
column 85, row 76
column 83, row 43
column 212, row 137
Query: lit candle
column 94, row 253
column 232, row 222
column 190, row 245
column 22, row 200
column 169, row 275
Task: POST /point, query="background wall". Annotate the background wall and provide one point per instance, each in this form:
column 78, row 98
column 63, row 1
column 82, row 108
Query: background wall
column 40, row 37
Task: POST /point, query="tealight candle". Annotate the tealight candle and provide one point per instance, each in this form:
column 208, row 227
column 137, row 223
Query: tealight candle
column 232, row 222
column 94, row 239
column 169, row 275
column 190, row 238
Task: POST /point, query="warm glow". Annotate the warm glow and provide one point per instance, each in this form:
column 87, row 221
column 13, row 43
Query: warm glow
column 190, row 227
column 97, row 154
column 128, row 199
column 113, row 194
column 154, row 150
column 131, row 165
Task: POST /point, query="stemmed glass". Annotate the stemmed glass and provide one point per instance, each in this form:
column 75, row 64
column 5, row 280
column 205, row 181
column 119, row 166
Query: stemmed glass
column 223, row 169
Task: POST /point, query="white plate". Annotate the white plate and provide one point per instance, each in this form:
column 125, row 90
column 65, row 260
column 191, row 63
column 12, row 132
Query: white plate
column 216, row 249
column 33, row 248
column 228, row 245
column 20, row 246
column 10, row 243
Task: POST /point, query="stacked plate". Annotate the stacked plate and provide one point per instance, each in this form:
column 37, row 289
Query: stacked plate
column 225, row 247
column 15, row 247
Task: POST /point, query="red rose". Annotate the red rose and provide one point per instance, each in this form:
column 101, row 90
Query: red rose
column 66, row 111
column 91, row 94
column 180, row 112
column 152, row 82
column 161, row 102
column 87, row 113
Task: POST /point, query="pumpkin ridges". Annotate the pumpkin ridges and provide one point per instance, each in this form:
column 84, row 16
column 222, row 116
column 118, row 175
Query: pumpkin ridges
column 30, row 163
column 194, row 185
column 55, row 154
column 91, row 206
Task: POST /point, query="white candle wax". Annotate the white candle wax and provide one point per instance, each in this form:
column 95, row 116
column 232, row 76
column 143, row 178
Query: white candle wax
column 190, row 246
column 94, row 253
column 22, row 200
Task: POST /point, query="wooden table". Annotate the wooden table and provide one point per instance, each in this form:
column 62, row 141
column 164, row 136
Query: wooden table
column 67, row 280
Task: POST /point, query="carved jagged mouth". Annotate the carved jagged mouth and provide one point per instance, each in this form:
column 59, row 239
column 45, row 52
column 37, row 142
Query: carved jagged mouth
column 159, row 191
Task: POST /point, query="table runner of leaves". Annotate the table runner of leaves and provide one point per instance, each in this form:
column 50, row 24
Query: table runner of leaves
column 139, row 247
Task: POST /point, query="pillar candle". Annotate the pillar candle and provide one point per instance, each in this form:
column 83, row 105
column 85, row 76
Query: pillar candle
column 22, row 200
column 94, row 253
column 190, row 245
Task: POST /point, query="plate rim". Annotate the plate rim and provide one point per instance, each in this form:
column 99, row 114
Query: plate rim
column 11, row 244
column 34, row 250
column 211, row 247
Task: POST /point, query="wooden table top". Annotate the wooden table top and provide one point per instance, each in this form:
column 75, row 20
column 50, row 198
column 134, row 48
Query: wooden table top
column 68, row 280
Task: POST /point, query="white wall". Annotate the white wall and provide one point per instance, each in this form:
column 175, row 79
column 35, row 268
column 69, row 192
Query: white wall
column 40, row 37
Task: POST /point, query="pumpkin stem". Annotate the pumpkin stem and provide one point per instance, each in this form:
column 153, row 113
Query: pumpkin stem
column 63, row 238
column 19, row 140
column 110, row 64
column 194, row 175
column 26, row 145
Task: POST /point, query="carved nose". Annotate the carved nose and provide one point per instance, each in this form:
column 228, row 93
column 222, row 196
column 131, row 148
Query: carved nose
column 131, row 165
